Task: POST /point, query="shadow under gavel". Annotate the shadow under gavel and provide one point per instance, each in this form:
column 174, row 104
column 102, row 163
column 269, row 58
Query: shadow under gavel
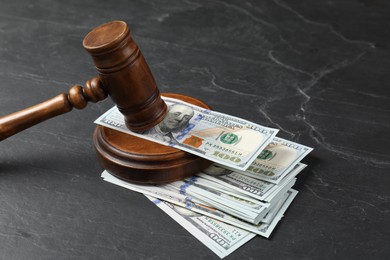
column 125, row 76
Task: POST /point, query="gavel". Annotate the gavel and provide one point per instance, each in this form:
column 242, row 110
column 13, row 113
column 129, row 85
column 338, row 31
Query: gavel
column 125, row 76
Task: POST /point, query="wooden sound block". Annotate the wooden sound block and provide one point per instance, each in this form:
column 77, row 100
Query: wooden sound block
column 141, row 161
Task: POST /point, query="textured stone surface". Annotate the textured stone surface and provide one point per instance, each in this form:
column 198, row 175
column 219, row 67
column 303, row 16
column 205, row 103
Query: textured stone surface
column 318, row 70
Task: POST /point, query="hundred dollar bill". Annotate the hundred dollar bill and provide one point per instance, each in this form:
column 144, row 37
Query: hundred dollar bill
column 276, row 160
column 269, row 216
column 219, row 237
column 160, row 192
column 258, row 189
column 195, row 185
column 220, row 202
column 275, row 197
column 227, row 196
column 267, row 228
column 227, row 190
column 221, row 138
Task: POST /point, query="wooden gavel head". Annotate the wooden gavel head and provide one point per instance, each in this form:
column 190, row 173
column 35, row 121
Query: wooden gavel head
column 125, row 75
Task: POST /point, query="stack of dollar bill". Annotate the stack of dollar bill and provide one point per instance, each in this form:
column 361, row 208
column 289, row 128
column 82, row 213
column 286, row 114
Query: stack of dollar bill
column 243, row 194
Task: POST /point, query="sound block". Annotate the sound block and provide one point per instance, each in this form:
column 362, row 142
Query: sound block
column 141, row 161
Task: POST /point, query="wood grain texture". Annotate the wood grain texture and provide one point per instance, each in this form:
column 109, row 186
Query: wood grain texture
column 78, row 97
column 137, row 160
column 126, row 75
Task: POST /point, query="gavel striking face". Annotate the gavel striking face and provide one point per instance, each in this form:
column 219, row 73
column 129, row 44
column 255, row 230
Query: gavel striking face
column 126, row 77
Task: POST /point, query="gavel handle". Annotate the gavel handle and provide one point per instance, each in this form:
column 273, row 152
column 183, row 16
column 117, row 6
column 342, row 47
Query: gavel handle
column 78, row 97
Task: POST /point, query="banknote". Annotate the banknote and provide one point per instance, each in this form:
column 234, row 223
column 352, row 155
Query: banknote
column 233, row 208
column 275, row 197
column 196, row 185
column 227, row 190
column 219, row 237
column 266, row 228
column 238, row 196
column 258, row 189
column 221, row 138
column 268, row 217
column 276, row 160
column 231, row 198
column 161, row 192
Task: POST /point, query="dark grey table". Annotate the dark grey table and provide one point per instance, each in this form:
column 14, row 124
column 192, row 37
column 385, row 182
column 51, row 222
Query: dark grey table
column 318, row 70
